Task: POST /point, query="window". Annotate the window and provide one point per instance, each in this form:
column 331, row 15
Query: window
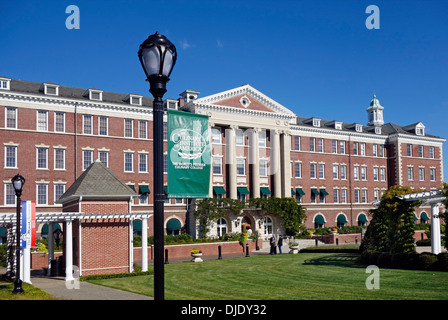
column 363, row 149
column 316, row 123
column 87, row 124
column 216, row 135
column 343, row 195
column 4, row 84
column 383, row 174
column 59, row 121
column 431, row 152
column 322, row 196
column 376, row 194
column 320, row 145
column 42, row 194
column 10, row 156
column 342, row 147
column 334, row 146
column 51, row 89
column 375, row 173
column 409, row 150
column 103, row 129
column 87, row 158
column 136, row 100
column 59, row 159
column 104, row 158
column 298, row 167
column 382, row 153
column 343, row 171
column 356, row 172
column 312, row 144
column 419, row 131
column 432, row 174
column 95, row 95
column 262, row 139
column 378, row 130
column 336, row 195
column 358, row 128
column 296, row 143
column 128, row 162
column 239, row 137
column 165, row 163
column 128, row 128
column 364, row 195
column 421, row 174
column 240, row 166
column 42, row 120
column 59, row 190
column 143, row 198
column 42, row 158
column 241, row 197
column 222, row 227
column 375, row 150
column 10, row 194
column 321, row 171
column 142, row 162
column 165, row 131
column 268, row 225
column 410, row 173
column 363, row 172
column 356, row 195
column 335, row 171
column 11, row 118
column 355, row 147
column 263, row 168
column 313, row 170
column 142, row 129
column 217, row 165
column 420, row 151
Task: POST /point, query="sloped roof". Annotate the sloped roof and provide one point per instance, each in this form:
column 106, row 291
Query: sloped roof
column 97, row 182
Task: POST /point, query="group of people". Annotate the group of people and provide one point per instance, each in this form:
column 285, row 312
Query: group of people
column 276, row 242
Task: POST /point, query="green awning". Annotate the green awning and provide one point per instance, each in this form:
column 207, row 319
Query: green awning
column 265, row 190
column 219, row 190
column 319, row 219
column 293, row 192
column 341, row 219
column 315, row 191
column 300, row 191
column 144, row 190
column 323, row 192
column 132, row 187
column 3, row 232
column 242, row 190
column 173, row 224
column 424, row 216
column 45, row 228
column 137, row 225
column 362, row 218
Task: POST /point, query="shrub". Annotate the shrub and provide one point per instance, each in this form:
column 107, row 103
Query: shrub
column 442, row 259
column 423, row 243
column 426, row 261
column 373, row 258
column 385, row 260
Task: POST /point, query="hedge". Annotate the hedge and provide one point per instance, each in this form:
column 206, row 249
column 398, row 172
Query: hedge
column 410, row 261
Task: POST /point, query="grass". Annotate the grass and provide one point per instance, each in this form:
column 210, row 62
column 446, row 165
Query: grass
column 284, row 277
column 31, row 292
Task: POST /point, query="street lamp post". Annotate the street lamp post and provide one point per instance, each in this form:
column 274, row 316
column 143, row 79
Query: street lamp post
column 158, row 57
column 18, row 181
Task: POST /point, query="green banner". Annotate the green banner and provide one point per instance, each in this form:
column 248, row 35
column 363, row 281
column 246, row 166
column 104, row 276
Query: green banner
column 189, row 154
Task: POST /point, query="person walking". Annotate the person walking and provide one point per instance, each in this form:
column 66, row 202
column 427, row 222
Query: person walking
column 273, row 244
column 280, row 243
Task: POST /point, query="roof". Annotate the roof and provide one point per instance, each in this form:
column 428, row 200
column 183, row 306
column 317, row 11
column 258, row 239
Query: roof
column 97, row 182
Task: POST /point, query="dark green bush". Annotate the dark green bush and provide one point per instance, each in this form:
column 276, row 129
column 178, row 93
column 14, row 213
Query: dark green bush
column 426, row 261
column 423, row 243
column 373, row 257
column 385, row 260
column 442, row 259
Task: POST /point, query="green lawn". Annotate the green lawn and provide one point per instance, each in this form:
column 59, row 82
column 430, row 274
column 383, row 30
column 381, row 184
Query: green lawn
column 31, row 292
column 283, row 277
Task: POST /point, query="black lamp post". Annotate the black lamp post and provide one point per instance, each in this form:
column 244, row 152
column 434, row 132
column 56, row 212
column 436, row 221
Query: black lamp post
column 18, row 181
column 158, row 56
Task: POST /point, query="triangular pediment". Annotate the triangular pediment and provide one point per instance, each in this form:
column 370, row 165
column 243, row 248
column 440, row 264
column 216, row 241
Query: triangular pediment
column 245, row 97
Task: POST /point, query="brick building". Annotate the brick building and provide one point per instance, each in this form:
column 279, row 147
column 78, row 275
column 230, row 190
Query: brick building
column 51, row 133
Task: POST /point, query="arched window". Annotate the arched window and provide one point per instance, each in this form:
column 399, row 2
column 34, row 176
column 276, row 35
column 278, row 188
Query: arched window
column 362, row 220
column 173, row 227
column 319, row 221
column 424, row 217
column 341, row 220
column 222, row 227
column 268, row 225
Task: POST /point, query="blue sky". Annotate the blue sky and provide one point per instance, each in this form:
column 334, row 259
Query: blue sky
column 315, row 57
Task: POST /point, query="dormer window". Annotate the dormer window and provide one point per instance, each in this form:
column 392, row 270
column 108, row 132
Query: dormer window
column 358, row 127
column 51, row 89
column 378, row 130
column 171, row 104
column 4, row 83
column 135, row 99
column 338, row 125
column 316, row 122
column 420, row 130
column 95, row 94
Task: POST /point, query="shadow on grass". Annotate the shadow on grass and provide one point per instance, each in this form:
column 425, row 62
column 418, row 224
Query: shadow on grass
column 351, row 260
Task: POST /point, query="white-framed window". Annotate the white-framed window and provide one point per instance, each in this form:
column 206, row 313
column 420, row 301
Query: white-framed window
column 128, row 162
column 334, row 146
column 42, row 158
column 103, row 156
column 409, row 150
column 4, row 84
column 357, row 195
column 142, row 162
column 343, row 171
column 217, row 165
column 375, row 173
column 142, row 129
column 375, row 150
column 376, row 194
column 312, row 144
column 143, row 198
column 87, row 158
column 342, row 147
column 10, row 156
column 363, row 172
column 59, row 121
column 216, row 135
column 135, row 100
column 263, row 167
column 313, row 167
column 87, row 124
column 103, row 125
column 383, row 174
column 363, row 148
column 241, row 166
column 298, row 167
column 262, row 138
column 59, row 159
column 11, row 118
column 320, row 145
column 10, row 195
column 95, row 95
column 239, row 137
column 358, row 127
column 355, row 148
column 364, row 195
column 382, row 150
column 335, row 171
column 42, row 120
column 420, row 151
column 316, row 122
column 296, row 143
column 59, row 190
column 41, row 194
column 432, row 174
column 222, row 227
column 431, row 153
column 336, row 195
column 410, row 173
column 343, row 195
column 268, row 225
column 128, row 128
column 51, row 89
column 356, row 172
column 421, row 174
column 321, row 171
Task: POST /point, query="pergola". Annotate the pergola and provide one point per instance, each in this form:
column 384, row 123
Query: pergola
column 68, row 218
column 435, row 199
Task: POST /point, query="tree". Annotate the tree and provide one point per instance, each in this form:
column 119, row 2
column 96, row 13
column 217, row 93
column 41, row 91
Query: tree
column 391, row 228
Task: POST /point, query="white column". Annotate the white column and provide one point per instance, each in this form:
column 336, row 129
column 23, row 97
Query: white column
column 254, row 161
column 231, row 161
column 50, row 246
column 131, row 244
column 286, row 165
column 435, row 228
column 144, row 244
column 68, row 233
column 275, row 163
